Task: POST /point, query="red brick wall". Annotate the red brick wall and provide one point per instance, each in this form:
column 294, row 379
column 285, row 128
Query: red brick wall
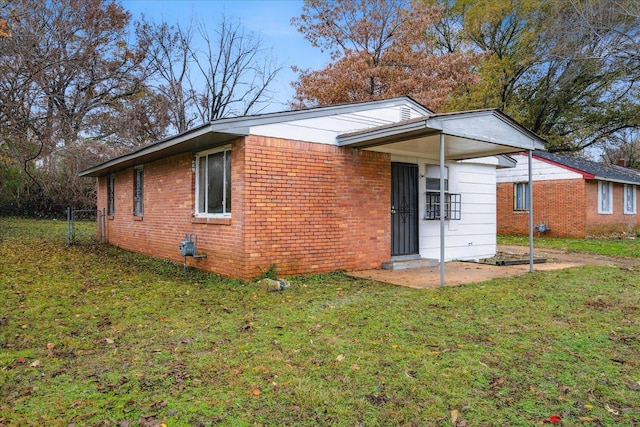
column 569, row 207
column 598, row 224
column 169, row 192
column 301, row 207
column 315, row 207
column 559, row 204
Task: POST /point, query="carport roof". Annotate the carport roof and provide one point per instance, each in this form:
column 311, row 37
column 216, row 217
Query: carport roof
column 468, row 134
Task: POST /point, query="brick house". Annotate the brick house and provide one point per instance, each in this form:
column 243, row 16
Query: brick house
column 572, row 197
column 345, row 187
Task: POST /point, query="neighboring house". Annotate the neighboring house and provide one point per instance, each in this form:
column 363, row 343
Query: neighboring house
column 572, row 197
column 346, row 187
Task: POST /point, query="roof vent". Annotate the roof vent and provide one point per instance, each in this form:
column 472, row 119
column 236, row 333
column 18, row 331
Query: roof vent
column 405, row 113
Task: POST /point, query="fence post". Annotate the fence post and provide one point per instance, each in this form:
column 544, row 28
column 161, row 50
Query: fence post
column 103, row 235
column 68, row 225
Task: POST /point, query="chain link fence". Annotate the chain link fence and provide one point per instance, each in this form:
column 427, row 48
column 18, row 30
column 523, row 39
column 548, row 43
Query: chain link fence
column 85, row 226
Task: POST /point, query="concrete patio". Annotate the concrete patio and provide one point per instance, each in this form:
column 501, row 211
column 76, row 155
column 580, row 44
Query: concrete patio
column 459, row 273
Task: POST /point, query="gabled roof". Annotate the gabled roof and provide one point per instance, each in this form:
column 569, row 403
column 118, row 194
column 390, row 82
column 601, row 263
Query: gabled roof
column 594, row 170
column 223, row 131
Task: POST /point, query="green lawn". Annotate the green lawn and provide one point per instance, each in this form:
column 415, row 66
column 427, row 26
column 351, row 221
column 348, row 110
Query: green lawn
column 98, row 336
column 611, row 247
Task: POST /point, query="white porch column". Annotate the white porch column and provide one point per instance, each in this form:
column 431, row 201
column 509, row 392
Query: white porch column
column 442, row 209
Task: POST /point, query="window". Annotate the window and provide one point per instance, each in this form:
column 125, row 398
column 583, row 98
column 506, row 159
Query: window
column 432, row 177
column 111, row 208
column 521, row 196
column 138, row 194
column 213, row 183
column 604, row 197
column 452, row 203
column 629, row 199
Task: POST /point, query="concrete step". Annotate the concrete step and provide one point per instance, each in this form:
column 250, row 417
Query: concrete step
column 403, row 263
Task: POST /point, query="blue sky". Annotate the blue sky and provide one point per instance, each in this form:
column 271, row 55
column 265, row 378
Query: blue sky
column 268, row 18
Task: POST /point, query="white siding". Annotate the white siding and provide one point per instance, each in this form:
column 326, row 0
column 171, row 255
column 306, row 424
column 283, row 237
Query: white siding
column 541, row 171
column 474, row 235
column 324, row 130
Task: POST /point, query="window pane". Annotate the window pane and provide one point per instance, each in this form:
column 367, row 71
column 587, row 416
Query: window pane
column 215, row 183
column 202, row 184
column 227, row 181
column 629, row 199
column 111, row 195
column 521, row 195
column 138, row 192
column 432, row 178
column 605, row 196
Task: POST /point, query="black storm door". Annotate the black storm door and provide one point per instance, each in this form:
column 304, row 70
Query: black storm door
column 404, row 209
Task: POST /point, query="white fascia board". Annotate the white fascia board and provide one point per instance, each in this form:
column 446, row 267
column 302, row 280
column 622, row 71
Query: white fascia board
column 184, row 142
column 618, row 181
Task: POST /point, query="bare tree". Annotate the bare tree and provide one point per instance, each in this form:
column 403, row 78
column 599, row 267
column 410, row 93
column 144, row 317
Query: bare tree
column 169, row 54
column 625, row 146
column 207, row 76
column 237, row 69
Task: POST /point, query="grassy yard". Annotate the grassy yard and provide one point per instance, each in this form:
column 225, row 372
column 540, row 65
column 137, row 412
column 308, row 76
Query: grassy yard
column 99, row 336
column 611, row 247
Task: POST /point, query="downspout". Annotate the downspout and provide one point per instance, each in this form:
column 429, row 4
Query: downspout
column 530, row 203
column 442, row 209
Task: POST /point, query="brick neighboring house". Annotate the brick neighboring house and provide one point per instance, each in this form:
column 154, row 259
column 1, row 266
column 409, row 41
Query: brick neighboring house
column 572, row 197
column 344, row 187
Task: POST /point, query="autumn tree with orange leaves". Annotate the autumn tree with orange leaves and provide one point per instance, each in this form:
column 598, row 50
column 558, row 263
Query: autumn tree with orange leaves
column 379, row 50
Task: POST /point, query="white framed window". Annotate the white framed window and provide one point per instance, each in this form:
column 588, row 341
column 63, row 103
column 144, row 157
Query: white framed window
column 521, row 196
column 630, row 207
column 138, row 191
column 605, row 195
column 111, row 191
column 213, row 183
column 432, row 177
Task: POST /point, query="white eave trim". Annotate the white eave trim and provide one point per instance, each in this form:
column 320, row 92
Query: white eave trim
column 155, row 150
column 617, row 181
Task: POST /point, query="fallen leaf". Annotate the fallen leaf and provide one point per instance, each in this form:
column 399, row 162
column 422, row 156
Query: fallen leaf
column 555, row 419
column 454, row 416
column 588, row 406
column 340, row 358
column 109, row 340
column 611, row 410
column 35, row 364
